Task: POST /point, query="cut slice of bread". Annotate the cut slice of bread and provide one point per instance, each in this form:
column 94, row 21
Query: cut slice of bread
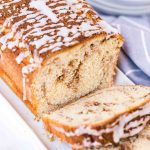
column 102, row 118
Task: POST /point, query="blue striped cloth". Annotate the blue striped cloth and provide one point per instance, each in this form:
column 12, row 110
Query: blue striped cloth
column 134, row 59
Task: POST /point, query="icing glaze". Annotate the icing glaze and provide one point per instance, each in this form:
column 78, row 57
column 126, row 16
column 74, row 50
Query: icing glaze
column 88, row 143
column 107, row 28
column 44, row 9
column 125, row 126
column 21, row 56
column 70, row 2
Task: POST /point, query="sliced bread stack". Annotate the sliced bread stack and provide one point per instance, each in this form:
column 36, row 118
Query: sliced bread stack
column 102, row 118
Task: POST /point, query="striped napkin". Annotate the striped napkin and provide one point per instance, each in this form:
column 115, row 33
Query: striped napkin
column 134, row 60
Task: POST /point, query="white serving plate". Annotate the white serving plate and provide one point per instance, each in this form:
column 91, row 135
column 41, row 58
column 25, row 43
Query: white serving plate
column 18, row 128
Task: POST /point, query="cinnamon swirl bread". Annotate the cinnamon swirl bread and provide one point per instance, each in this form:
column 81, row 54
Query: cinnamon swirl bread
column 52, row 52
column 102, row 118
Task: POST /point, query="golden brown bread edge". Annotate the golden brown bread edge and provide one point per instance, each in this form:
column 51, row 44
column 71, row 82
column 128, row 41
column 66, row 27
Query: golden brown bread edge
column 15, row 89
column 52, row 126
column 11, row 73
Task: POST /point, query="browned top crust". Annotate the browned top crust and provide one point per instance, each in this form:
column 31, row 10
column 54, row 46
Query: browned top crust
column 33, row 28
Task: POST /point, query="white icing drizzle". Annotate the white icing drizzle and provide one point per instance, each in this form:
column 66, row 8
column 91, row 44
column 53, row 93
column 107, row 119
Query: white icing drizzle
column 118, row 128
column 71, row 2
column 24, row 87
column 44, row 9
column 86, row 26
column 135, row 130
column 21, row 56
column 40, row 26
column 25, row 71
column 64, row 32
column 87, row 142
column 29, row 68
column 107, row 28
column 135, row 123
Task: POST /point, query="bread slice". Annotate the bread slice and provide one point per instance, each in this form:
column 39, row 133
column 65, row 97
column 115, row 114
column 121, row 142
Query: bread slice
column 102, row 118
column 55, row 53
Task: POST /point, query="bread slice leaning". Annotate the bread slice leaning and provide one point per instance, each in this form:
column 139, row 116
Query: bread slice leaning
column 102, row 118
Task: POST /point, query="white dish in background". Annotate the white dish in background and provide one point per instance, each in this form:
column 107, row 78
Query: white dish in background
column 133, row 2
column 123, row 7
column 31, row 127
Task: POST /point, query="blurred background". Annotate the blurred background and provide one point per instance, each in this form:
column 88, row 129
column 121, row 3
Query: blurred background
column 132, row 18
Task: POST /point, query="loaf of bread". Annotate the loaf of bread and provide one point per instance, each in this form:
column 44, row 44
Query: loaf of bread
column 52, row 52
column 102, row 118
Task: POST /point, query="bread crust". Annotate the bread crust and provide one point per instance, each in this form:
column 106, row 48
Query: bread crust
column 58, row 129
column 18, row 92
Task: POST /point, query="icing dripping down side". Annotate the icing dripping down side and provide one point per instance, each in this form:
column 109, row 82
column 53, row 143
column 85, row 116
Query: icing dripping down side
column 21, row 56
column 108, row 28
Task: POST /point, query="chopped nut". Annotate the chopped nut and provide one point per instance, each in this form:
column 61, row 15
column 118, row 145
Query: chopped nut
column 96, row 103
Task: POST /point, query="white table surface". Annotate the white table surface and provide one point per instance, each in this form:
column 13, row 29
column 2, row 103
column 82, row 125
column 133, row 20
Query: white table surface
column 19, row 130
